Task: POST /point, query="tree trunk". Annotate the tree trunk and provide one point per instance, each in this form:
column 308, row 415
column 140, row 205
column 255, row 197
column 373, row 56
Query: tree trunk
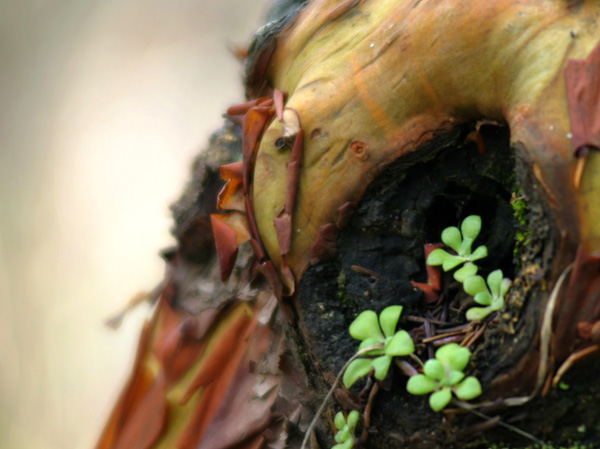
column 400, row 121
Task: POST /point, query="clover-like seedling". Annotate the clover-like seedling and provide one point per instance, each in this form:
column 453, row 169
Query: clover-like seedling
column 460, row 241
column 491, row 295
column 444, row 375
column 345, row 435
column 389, row 343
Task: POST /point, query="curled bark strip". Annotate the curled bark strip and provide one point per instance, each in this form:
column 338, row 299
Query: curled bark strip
column 294, row 172
column 430, row 295
column 344, row 213
column 231, row 196
column 215, row 358
column 226, row 242
column 152, row 411
column 324, row 246
column 268, row 271
column 258, row 249
column 283, row 228
column 243, row 108
column 278, row 98
column 231, row 171
column 255, row 121
column 238, row 222
column 582, row 77
column 434, row 274
column 283, row 223
column 132, row 399
column 289, row 282
column 431, row 290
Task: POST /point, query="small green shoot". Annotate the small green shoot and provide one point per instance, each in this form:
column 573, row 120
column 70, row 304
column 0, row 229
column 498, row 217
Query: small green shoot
column 460, row 241
column 444, row 375
column 491, row 295
column 345, row 435
column 387, row 344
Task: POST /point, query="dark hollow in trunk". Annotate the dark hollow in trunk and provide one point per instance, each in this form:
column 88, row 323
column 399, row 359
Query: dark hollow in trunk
column 409, row 205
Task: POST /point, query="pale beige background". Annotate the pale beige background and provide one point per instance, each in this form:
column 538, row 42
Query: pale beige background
column 103, row 104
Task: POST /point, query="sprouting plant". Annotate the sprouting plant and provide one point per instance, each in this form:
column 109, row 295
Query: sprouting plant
column 345, row 435
column 491, row 295
column 386, row 345
column 461, row 242
column 444, row 375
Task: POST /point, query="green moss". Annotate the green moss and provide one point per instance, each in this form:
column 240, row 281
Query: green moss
column 520, row 211
column 341, row 283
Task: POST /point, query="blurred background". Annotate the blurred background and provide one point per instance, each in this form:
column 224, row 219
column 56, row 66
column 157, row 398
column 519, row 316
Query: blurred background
column 103, row 105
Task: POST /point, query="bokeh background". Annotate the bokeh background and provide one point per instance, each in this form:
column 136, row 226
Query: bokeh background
column 103, row 105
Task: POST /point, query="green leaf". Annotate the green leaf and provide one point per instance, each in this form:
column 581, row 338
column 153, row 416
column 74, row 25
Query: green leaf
column 455, row 377
column 479, row 253
column 459, row 358
column 357, row 369
column 451, row 237
column 483, row 298
column 478, row 313
column 494, row 280
column 382, row 366
column 440, row 399
column 471, row 226
column 371, row 342
column 468, row 389
column 348, row 444
column 474, row 285
column 421, row 384
column 497, row 304
column 465, row 248
column 400, row 344
column 437, row 257
column 469, row 269
column 389, row 319
column 339, row 421
column 434, row 369
column 443, row 354
column 343, row 435
column 452, row 262
column 366, row 325
column 353, row 417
